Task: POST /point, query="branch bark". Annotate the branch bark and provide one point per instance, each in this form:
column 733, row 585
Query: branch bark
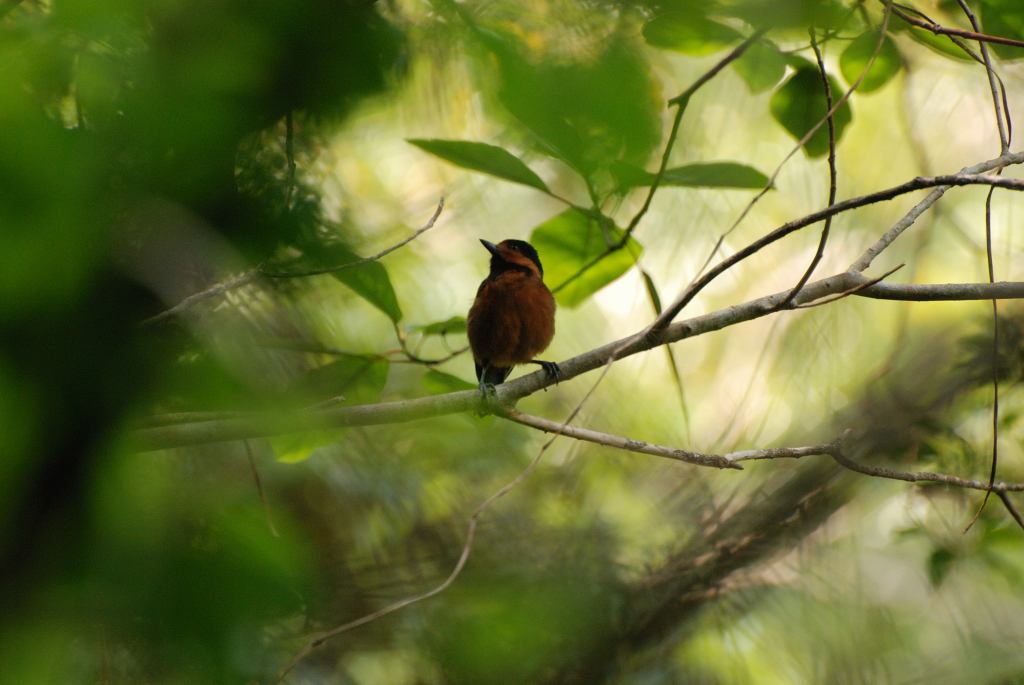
column 627, row 444
column 507, row 394
column 940, row 30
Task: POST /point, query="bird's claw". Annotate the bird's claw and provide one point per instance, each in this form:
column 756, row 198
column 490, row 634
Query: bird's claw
column 552, row 370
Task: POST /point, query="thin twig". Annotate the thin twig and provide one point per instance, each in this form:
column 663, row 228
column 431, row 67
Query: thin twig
column 924, row 476
column 832, row 177
column 995, row 356
column 803, row 141
column 463, row 557
column 943, row 31
column 834, row 450
column 1010, row 508
column 467, row 547
column 1004, row 141
column 916, row 184
column 655, row 300
column 618, row 442
column 680, row 101
column 851, row 291
column 359, row 262
column 1004, row 144
column 259, row 487
column 974, row 56
column 260, row 271
column 192, row 300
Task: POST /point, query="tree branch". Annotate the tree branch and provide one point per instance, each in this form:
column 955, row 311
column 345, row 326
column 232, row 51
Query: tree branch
column 260, row 271
column 1004, row 139
column 943, row 31
column 968, row 176
column 507, row 394
column 807, row 136
column 360, row 262
column 617, row 442
column 834, row 450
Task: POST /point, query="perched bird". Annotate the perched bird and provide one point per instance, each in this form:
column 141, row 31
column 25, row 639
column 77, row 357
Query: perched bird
column 513, row 316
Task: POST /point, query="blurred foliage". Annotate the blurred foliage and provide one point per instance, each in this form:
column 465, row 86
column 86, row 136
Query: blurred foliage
column 151, row 150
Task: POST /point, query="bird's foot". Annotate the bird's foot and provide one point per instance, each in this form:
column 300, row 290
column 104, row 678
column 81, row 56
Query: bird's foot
column 551, row 370
column 489, row 393
column 487, row 389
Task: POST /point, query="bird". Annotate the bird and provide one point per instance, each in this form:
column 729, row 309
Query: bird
column 513, row 316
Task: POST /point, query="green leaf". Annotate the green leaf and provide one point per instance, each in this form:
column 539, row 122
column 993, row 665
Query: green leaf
column 938, row 565
column 690, row 33
column 587, row 113
column 370, row 281
column 791, row 14
column 456, row 324
column 856, row 55
column 1003, row 18
column 706, row 175
column 439, row 383
column 570, row 241
column 652, row 292
column 762, row 66
column 359, row 379
column 800, row 104
column 488, row 159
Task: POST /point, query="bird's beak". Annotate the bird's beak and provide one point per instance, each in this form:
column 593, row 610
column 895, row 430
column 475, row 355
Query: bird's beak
column 491, row 247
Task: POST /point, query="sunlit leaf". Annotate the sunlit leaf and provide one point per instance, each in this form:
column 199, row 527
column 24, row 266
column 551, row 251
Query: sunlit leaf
column 359, row 379
column 482, row 157
column 1003, row 18
column 571, row 241
column 439, row 383
column 690, row 33
column 456, row 324
column 762, row 66
column 856, row 55
column 800, row 104
column 706, row 175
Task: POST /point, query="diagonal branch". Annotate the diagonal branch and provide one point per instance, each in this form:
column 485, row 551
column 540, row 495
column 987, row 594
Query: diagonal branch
column 680, row 101
column 252, row 425
column 366, row 260
column 261, row 271
column 807, row 136
column 966, row 177
column 939, row 30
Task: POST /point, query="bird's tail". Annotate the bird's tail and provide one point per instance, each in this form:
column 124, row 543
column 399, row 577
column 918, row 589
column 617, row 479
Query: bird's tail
column 492, row 375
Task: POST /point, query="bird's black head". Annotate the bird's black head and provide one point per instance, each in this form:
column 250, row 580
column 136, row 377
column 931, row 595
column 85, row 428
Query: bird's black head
column 509, row 255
